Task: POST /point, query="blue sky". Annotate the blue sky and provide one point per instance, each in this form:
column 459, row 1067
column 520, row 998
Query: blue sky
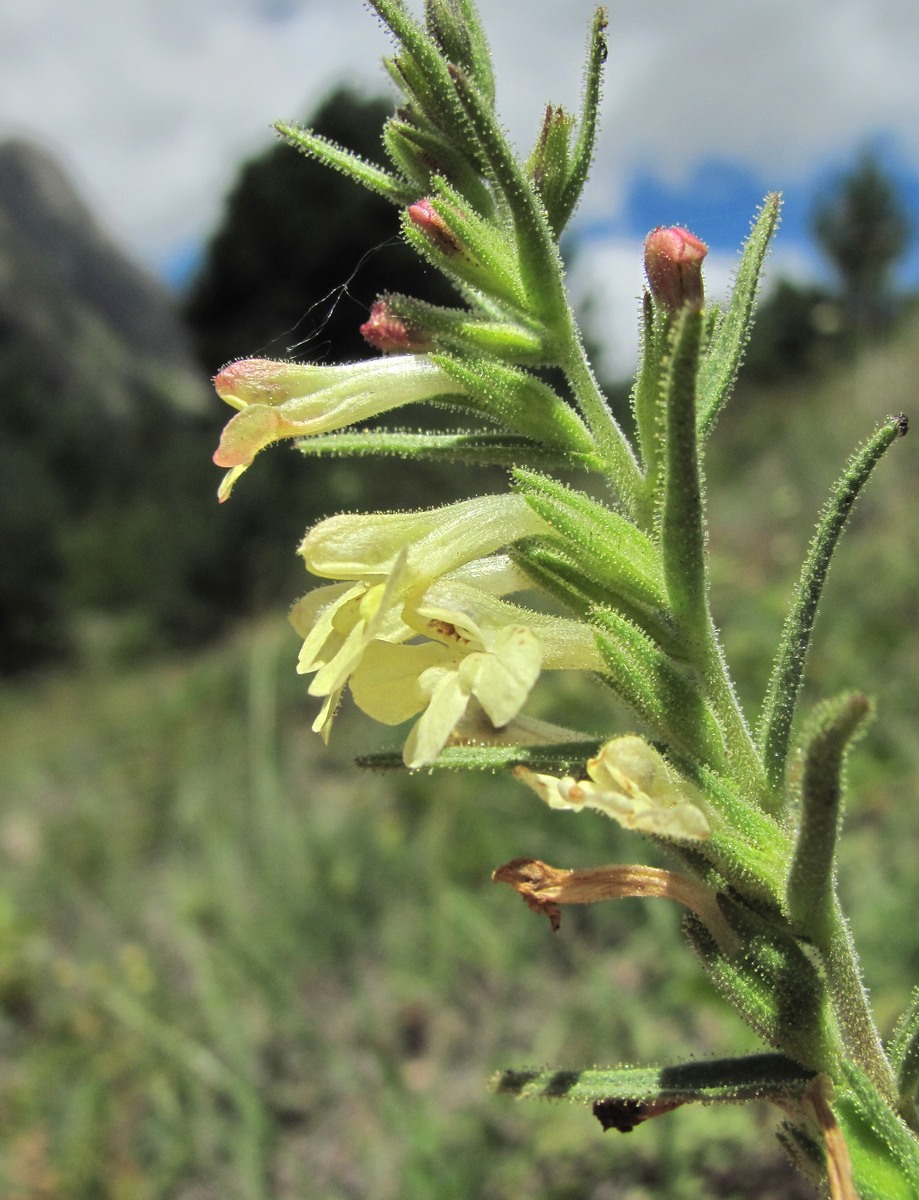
column 708, row 105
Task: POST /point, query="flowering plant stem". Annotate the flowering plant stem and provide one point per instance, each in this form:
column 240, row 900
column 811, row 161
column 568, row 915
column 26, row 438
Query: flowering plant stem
column 619, row 462
column 419, row 614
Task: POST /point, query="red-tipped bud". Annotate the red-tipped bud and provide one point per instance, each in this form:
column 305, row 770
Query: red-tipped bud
column 549, row 160
column 424, row 216
column 385, row 330
column 673, row 264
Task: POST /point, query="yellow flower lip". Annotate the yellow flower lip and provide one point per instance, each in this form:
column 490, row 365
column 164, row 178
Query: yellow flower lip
column 630, row 782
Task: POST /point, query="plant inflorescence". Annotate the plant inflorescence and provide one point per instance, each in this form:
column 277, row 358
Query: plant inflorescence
column 430, row 616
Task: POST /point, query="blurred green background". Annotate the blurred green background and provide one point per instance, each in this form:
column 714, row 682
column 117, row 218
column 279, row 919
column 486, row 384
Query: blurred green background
column 231, row 966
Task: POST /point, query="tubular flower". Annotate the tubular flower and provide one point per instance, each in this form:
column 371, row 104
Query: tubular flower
column 388, row 557
column 630, row 782
column 285, row 399
column 435, row 540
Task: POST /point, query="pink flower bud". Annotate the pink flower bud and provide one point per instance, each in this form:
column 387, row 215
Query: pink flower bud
column 673, row 264
column 385, row 330
column 424, row 216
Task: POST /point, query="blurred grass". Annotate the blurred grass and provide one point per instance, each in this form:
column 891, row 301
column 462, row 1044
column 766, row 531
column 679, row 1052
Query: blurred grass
column 232, row 968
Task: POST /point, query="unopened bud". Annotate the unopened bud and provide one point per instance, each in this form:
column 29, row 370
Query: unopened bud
column 385, row 330
column 673, row 264
column 549, row 160
column 425, row 217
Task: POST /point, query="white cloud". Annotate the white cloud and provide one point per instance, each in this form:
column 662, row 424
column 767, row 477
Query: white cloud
column 152, row 102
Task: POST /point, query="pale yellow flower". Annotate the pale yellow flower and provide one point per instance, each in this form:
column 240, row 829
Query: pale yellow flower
column 384, row 559
column 630, row 782
column 286, row 399
column 338, row 622
column 496, row 666
column 481, row 649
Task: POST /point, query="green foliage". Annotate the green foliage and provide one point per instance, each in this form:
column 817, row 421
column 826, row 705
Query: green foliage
column 607, row 550
column 787, row 963
column 812, row 871
column 725, row 350
column 788, row 669
column 904, row 1058
column 773, row 984
column 885, row 1162
column 641, row 1090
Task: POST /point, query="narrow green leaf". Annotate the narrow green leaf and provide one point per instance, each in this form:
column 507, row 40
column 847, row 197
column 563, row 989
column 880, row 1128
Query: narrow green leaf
column 547, row 165
column 903, row 1053
column 772, row 983
column 884, row 1154
column 682, row 525
column 375, row 179
column 546, row 562
column 536, row 247
column 747, row 846
column 646, row 395
column 520, row 401
column 805, row 1153
column 607, row 546
column 421, row 153
column 470, row 251
column 726, row 350
column 463, row 330
column 555, row 758
column 854, row 1017
column 455, row 27
column 583, row 150
column 485, row 239
column 774, row 730
column 657, row 689
column 549, row 561
column 425, row 75
column 478, row 449
column 402, row 146
column 811, row 888
column 715, row 1081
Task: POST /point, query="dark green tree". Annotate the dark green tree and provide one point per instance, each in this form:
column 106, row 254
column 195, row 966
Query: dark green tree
column 798, row 327
column 288, row 273
column 863, row 230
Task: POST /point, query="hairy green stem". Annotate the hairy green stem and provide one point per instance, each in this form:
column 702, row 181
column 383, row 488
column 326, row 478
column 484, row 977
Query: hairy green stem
column 746, row 764
column 619, row 460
